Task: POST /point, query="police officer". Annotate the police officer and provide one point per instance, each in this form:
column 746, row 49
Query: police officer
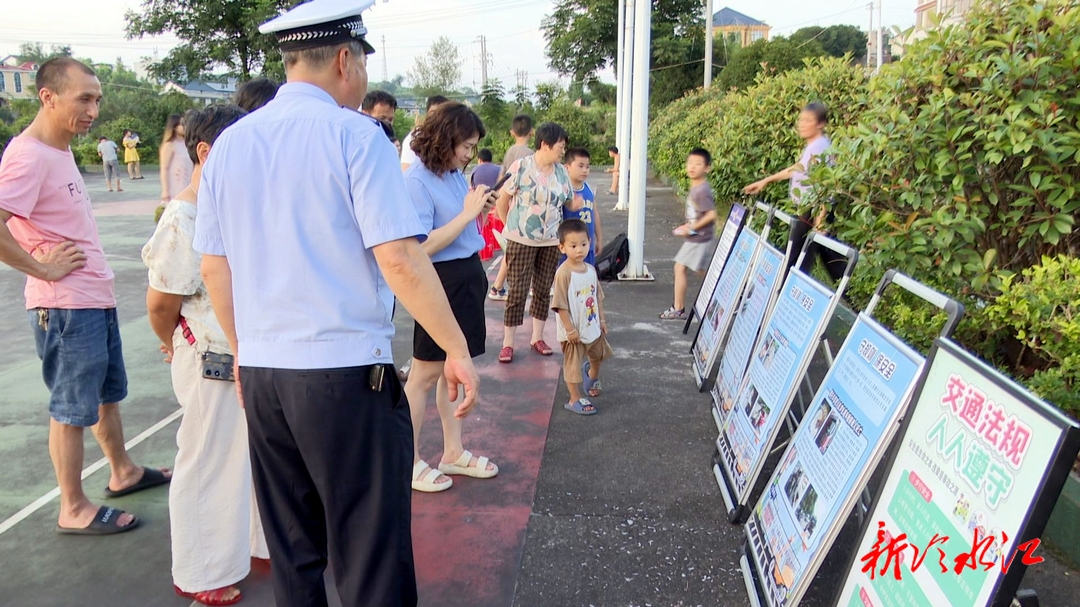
column 307, row 234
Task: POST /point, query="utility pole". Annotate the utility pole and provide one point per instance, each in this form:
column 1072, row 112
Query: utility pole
column 869, row 31
column 483, row 61
column 708, row 42
column 620, row 58
column 880, row 37
column 385, row 72
column 639, row 144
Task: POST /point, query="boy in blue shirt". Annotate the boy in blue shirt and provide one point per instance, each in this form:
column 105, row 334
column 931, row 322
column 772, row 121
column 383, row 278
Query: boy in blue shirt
column 583, row 206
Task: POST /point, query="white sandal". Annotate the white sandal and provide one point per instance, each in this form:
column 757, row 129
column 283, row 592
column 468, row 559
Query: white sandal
column 428, row 484
column 461, row 466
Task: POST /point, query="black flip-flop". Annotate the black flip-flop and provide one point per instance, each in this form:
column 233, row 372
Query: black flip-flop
column 150, row 478
column 103, row 524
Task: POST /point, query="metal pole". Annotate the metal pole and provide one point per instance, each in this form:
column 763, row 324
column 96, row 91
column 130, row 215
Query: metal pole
column 869, row 32
column 636, row 269
column 880, row 37
column 620, row 59
column 708, row 42
column 625, row 99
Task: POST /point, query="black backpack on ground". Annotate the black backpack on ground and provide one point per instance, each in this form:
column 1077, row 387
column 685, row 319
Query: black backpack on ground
column 613, row 258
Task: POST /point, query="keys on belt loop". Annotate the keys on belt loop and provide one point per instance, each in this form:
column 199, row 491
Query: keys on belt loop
column 43, row 318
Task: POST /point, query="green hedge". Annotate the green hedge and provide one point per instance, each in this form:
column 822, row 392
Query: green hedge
column 959, row 166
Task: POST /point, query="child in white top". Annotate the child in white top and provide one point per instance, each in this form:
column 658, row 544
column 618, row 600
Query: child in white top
column 581, row 327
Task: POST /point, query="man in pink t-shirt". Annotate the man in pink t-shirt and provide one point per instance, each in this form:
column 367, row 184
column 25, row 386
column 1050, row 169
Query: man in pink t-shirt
column 48, row 232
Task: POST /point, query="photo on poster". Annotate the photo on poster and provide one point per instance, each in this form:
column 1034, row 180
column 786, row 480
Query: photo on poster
column 819, row 418
column 824, row 436
column 768, row 351
column 806, row 514
column 757, row 416
column 796, row 486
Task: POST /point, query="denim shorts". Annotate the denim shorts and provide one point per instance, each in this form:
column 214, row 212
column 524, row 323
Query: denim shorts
column 81, row 361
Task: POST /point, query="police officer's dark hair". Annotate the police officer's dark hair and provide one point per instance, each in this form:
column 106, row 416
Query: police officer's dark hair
column 819, row 111
column 374, row 98
column 447, row 126
column 485, row 155
column 319, row 56
column 256, row 93
column 703, row 153
column 551, row 134
column 435, row 100
column 521, row 125
column 53, row 74
column 204, row 126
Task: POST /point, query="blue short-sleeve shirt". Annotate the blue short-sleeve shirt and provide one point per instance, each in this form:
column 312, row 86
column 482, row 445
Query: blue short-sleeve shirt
column 438, row 200
column 295, row 195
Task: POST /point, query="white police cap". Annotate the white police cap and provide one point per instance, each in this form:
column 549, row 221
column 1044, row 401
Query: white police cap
column 320, row 23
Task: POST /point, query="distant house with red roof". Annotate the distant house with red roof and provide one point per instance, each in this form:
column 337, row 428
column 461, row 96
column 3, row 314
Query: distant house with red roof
column 17, row 79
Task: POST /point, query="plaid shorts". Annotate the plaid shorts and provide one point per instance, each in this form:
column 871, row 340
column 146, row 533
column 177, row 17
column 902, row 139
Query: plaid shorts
column 529, row 267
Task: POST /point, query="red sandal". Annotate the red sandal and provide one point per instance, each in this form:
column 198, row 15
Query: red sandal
column 214, row 598
column 506, row 354
column 541, row 348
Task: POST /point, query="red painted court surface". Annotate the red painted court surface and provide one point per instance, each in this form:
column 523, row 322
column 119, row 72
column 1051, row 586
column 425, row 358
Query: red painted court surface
column 468, row 541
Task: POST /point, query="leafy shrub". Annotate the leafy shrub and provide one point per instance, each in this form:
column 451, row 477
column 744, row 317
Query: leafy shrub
column 1041, row 307
column 959, row 166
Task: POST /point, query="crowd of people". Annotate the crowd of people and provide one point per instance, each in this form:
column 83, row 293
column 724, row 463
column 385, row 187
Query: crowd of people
column 280, row 348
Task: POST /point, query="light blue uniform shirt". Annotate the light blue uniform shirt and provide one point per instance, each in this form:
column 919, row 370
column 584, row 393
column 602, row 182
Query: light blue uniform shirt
column 438, row 200
column 295, row 195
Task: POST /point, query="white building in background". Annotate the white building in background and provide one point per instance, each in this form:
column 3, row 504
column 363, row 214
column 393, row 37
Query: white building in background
column 204, row 93
column 952, row 11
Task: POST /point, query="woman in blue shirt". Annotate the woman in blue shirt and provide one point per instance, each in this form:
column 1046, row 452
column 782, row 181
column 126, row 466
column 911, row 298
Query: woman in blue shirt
column 453, row 214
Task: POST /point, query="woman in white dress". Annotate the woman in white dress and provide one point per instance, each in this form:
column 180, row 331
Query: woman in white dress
column 215, row 525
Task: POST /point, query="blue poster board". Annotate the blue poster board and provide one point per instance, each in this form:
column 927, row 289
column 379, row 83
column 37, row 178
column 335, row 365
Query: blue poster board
column 855, row 413
column 718, row 313
column 777, row 363
column 731, row 229
column 746, row 326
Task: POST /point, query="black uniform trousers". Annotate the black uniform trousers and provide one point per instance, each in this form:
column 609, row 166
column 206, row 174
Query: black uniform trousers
column 331, row 460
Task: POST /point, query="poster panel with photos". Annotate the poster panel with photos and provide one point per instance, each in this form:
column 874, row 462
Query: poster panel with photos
column 972, row 458
column 731, row 229
column 776, row 365
column 745, row 328
column 844, row 432
column 717, row 314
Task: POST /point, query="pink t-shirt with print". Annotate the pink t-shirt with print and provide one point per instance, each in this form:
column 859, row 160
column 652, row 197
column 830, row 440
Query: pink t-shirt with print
column 43, row 190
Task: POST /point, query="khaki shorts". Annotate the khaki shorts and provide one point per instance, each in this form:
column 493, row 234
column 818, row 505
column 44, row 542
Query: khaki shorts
column 574, row 356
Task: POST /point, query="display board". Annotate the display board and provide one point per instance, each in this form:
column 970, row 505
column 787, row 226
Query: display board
column 844, row 434
column 777, row 363
column 736, row 218
column 759, row 295
column 977, row 454
column 718, row 313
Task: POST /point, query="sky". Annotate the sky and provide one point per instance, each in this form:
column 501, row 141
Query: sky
column 512, row 27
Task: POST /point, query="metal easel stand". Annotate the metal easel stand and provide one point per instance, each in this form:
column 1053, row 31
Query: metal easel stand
column 955, row 311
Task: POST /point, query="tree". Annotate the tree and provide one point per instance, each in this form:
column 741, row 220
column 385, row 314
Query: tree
column 547, row 93
column 214, row 33
column 836, row 40
column 521, row 96
column 34, row 52
column 582, row 35
column 493, row 109
column 439, row 70
column 771, row 56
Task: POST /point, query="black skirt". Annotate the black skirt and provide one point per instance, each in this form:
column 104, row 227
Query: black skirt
column 466, row 285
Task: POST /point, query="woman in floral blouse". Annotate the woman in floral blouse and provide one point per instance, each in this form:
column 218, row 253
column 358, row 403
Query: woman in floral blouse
column 531, row 206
